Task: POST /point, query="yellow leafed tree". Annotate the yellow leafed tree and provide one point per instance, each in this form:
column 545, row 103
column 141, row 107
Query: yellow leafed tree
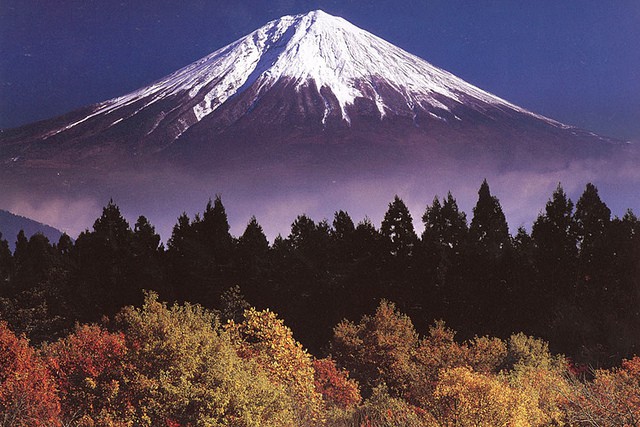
column 473, row 399
column 264, row 338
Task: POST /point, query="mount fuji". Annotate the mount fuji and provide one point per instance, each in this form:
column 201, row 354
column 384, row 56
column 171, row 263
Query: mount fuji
column 309, row 112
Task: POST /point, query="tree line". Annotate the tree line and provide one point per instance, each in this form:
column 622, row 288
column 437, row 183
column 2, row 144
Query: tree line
column 573, row 280
column 178, row 366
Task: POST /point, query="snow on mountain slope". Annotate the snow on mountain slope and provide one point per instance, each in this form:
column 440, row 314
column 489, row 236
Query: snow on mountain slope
column 313, row 48
column 306, row 113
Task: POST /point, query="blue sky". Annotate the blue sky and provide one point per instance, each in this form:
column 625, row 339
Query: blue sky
column 575, row 61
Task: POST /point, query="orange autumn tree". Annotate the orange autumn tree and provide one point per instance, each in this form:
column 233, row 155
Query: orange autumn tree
column 264, row 338
column 90, row 370
column 335, row 385
column 612, row 398
column 27, row 390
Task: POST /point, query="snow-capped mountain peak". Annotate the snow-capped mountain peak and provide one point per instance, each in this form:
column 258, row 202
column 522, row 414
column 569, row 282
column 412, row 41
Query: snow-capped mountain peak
column 309, row 109
column 314, row 51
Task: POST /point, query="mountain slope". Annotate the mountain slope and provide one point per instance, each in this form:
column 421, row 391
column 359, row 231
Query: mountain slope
column 304, row 104
column 11, row 224
column 313, row 71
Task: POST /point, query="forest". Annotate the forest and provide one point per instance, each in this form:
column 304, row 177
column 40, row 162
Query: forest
column 336, row 324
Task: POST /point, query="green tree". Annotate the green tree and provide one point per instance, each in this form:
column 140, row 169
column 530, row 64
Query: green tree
column 183, row 255
column 201, row 254
column 147, row 269
column 343, row 226
column 188, row 373
column 215, row 232
column 556, row 252
column 36, row 301
column 489, row 265
column 592, row 219
column 308, row 288
column 233, row 304
column 6, row 264
column 265, row 339
column 444, row 243
column 397, row 229
column 32, row 262
column 526, row 292
column 253, row 261
column 253, row 243
column 103, row 257
column 378, row 350
column 488, row 231
column 445, row 225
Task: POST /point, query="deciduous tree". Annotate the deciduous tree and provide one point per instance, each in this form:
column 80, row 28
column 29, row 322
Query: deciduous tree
column 91, row 371
column 27, row 390
column 188, row 373
column 265, row 339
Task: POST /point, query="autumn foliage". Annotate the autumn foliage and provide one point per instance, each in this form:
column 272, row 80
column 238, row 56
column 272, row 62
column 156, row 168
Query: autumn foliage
column 177, row 366
column 611, row 398
column 27, row 391
column 335, row 385
column 265, row 339
column 90, row 369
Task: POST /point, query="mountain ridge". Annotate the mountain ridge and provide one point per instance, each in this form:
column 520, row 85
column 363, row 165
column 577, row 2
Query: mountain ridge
column 11, row 224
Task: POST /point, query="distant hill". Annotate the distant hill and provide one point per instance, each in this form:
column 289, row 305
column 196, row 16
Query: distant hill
column 11, row 224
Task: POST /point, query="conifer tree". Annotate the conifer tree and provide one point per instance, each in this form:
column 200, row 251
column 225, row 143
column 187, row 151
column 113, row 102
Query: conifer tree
column 343, row 227
column 489, row 231
column 182, row 255
column 489, row 267
column 595, row 260
column 65, row 245
column 215, row 231
column 253, row 243
column 592, row 219
column 20, row 251
column 253, row 261
column 104, row 270
column 367, row 239
column 397, row 229
column 147, row 258
column 555, row 239
column 445, row 226
column 36, row 263
column 6, row 264
column 343, row 243
column 111, row 228
column 444, row 238
column 201, row 254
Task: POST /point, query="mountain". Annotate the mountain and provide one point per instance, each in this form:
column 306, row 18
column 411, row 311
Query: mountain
column 10, row 226
column 304, row 104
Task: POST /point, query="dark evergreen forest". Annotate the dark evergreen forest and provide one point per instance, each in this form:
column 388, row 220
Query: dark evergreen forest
column 572, row 281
